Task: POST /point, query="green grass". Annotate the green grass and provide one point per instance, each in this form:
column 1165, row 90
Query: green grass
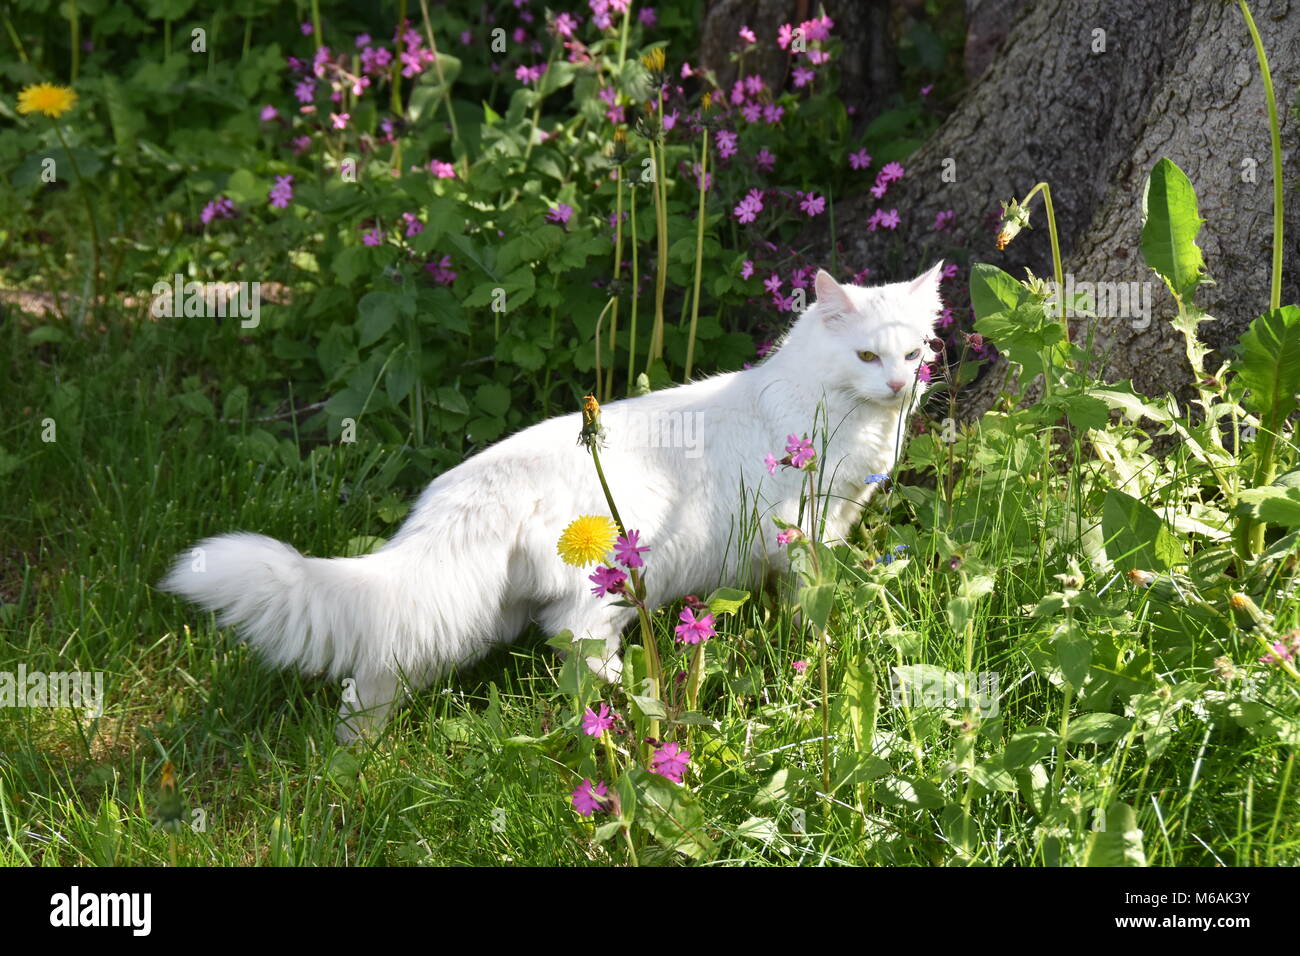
column 90, row 521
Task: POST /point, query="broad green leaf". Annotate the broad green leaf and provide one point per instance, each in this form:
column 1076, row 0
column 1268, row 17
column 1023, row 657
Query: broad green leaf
column 1135, row 536
column 1097, row 729
column 672, row 814
column 1279, row 506
column 1171, row 223
column 1120, row 844
column 1268, row 364
column 861, row 701
column 817, row 602
column 727, row 600
column 993, row 291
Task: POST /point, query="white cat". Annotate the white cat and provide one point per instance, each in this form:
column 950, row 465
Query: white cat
column 476, row 559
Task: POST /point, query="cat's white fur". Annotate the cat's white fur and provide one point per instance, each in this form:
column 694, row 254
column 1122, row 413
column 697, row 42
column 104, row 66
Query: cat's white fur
column 476, row 559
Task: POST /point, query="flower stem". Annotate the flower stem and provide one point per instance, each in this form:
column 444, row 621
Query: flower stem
column 699, row 257
column 90, row 211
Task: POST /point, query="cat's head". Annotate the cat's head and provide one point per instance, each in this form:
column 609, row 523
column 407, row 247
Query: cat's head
column 872, row 341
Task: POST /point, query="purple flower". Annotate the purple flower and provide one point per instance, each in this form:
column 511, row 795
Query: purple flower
column 628, row 550
column 880, row 218
column 891, row 172
column 440, row 270
column 925, row 90
column 813, row 204
column 669, row 761
column 799, row 449
column 340, row 120
column 269, row 113
column 726, row 143
column 305, row 90
column 746, row 269
column 282, row 192
column 764, row 160
column 219, row 208
column 413, row 225
column 694, row 630
column 587, row 800
column 530, row 74
column 771, row 463
column 949, row 271
column 747, row 35
column 608, row 581
column 560, row 214
column 754, row 84
column 752, row 112
column 374, row 237
column 772, row 282
column 363, row 39
column 860, row 160
column 747, row 210
column 301, row 144
column 647, row 16
column 803, row 76
column 306, row 29
column 875, row 479
column 943, row 220
column 564, row 24
column 594, row 724
column 773, row 113
column 442, row 170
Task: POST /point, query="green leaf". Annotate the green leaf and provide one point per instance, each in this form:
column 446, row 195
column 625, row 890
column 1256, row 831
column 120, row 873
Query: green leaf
column 862, row 702
column 817, row 602
column 377, row 312
column 1171, row 223
column 916, row 793
column 993, row 774
column 1097, row 729
column 1026, row 746
column 1274, row 505
column 672, row 814
column 993, row 291
column 1268, row 364
column 727, row 600
column 1074, row 654
column 1120, row 844
column 1135, row 536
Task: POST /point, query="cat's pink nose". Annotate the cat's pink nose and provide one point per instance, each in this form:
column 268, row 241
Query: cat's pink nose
column 896, row 385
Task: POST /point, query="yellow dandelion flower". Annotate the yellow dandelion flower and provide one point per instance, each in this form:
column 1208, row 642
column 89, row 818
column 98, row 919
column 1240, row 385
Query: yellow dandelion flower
column 654, row 60
column 587, row 540
column 46, row 98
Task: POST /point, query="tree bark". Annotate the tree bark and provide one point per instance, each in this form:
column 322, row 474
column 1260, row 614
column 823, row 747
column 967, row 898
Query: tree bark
column 1175, row 78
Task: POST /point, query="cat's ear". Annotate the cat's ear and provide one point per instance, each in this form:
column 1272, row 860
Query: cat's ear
column 831, row 295
column 927, row 281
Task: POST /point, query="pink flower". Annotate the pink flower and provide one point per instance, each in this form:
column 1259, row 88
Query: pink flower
column 669, row 760
column 943, row 220
column 800, row 450
column 219, row 208
column 587, row 800
column 269, row 113
column 693, row 630
column 800, row 666
column 363, row 39
column 301, row 144
column 924, row 373
column 752, row 112
column 786, row 536
column 747, row 35
column 440, row 270
column 305, row 90
column 860, row 160
column 746, row 269
column 282, row 192
column 754, row 84
column 817, row 57
column 773, row 113
column 306, row 29
column 892, row 171
column 340, row 120
column 628, row 550
column 594, row 724
column 608, row 581
column 560, row 214
column 737, row 92
column 813, row 204
column 784, row 34
column 890, row 220
column 764, row 160
column 771, row 463
column 747, row 210
column 948, row 272
column 925, row 90
column 442, row 170
column 772, row 282
column 413, row 225
column 726, row 140
column 647, row 16
column 374, row 237
column 803, row 76
column 564, row 25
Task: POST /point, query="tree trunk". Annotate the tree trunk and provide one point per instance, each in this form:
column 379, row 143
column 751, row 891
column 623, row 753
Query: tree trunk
column 1088, row 95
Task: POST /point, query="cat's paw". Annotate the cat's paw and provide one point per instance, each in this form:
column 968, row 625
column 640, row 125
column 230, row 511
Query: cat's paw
column 608, row 669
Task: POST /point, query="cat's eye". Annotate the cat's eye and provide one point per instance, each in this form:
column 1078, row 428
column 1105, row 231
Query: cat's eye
column 868, row 356
column 913, row 355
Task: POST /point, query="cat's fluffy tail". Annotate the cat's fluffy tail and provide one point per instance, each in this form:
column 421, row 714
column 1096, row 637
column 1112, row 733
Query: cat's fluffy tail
column 347, row 617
